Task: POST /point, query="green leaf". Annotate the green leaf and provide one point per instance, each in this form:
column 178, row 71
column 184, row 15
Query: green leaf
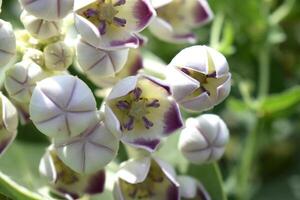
column 19, row 174
column 279, row 104
column 210, row 176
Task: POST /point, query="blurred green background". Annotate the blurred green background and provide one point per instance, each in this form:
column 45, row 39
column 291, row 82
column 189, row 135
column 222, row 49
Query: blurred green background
column 261, row 40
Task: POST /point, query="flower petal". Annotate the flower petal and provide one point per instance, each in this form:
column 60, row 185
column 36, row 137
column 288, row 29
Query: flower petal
column 160, row 3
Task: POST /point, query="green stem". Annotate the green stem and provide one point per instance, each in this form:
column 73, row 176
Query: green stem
column 281, row 12
column 216, row 31
column 264, row 72
column 16, row 190
column 248, row 157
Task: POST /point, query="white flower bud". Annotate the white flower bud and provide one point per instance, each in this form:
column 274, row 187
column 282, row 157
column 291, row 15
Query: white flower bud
column 204, row 139
column 34, row 55
column 58, row 56
column 100, row 63
column 89, row 152
column 67, row 183
column 7, row 43
column 8, row 123
column 199, row 77
column 40, row 28
column 48, row 9
column 21, row 79
column 62, row 106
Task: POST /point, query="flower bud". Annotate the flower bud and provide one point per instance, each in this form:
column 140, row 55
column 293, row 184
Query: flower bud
column 21, row 79
column 191, row 189
column 40, row 28
column 204, row 139
column 58, row 56
column 66, row 182
column 89, row 152
column 62, row 106
column 48, row 10
column 133, row 64
column 7, row 43
column 199, row 77
column 34, row 55
column 146, row 178
column 140, row 111
column 8, row 123
column 100, row 63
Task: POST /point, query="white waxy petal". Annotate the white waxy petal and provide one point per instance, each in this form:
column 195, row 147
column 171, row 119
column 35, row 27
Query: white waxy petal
column 34, row 55
column 7, row 43
column 89, row 152
column 135, row 171
column 100, row 63
column 62, row 106
column 204, row 139
column 190, row 188
column 9, row 123
column 21, row 79
column 48, row 10
column 40, row 28
column 159, row 3
column 58, row 56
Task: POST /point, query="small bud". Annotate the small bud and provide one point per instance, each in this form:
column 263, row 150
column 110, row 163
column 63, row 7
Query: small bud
column 66, row 182
column 199, row 77
column 62, row 106
column 48, row 9
column 7, row 43
column 58, row 56
column 191, row 189
column 146, row 178
column 140, row 111
column 100, row 63
column 89, row 152
column 34, row 55
column 204, row 139
column 40, row 28
column 8, row 123
column 21, row 79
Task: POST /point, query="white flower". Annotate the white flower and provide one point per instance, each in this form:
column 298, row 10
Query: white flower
column 40, row 28
column 89, row 152
column 190, row 188
column 35, row 56
column 199, row 77
column 98, row 63
column 20, row 80
column 62, row 106
column 146, row 179
column 65, row 181
column 58, row 56
column 176, row 19
column 204, row 139
column 133, row 64
column 140, row 111
column 8, row 123
column 7, row 43
column 48, row 9
column 112, row 24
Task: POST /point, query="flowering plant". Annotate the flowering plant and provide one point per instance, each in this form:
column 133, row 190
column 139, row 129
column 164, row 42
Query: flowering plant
column 121, row 99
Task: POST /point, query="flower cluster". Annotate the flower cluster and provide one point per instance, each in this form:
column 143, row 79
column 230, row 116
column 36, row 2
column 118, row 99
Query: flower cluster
column 138, row 108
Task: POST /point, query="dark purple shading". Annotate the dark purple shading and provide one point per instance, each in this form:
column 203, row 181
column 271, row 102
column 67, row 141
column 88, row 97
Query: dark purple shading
column 4, row 144
column 173, row 193
column 201, row 14
column 143, row 13
column 96, row 183
column 185, row 36
column 132, row 39
column 137, row 65
column 202, row 194
column 159, row 83
column 65, row 192
column 172, row 119
column 151, row 144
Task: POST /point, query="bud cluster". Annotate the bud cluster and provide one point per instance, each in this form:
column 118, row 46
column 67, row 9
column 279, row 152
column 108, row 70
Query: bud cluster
column 139, row 108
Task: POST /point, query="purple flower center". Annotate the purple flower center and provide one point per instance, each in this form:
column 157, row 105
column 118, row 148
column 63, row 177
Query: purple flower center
column 103, row 13
column 136, row 108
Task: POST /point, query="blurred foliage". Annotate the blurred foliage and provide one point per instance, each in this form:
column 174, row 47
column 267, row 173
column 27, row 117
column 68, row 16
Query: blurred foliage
column 261, row 40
